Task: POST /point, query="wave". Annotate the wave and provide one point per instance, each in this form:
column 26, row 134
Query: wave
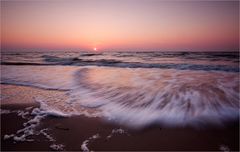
column 117, row 63
column 91, row 54
column 183, row 55
column 39, row 86
column 142, row 97
column 136, row 97
column 44, row 77
column 24, row 63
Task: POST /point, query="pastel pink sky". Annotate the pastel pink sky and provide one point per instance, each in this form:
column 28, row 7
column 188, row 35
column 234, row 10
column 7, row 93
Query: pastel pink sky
column 120, row 25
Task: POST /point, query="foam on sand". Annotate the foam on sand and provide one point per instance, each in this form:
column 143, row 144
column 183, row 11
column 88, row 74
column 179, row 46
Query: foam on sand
column 57, row 147
column 31, row 129
column 116, row 131
column 86, row 142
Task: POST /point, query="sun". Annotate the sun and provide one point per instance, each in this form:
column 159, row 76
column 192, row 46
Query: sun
column 95, row 49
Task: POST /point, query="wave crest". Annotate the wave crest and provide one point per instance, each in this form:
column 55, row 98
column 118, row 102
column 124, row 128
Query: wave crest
column 169, row 97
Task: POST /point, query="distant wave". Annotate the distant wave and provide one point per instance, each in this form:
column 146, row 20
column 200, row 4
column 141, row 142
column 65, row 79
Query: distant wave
column 207, row 61
column 121, row 64
column 90, row 54
column 183, row 55
column 25, row 63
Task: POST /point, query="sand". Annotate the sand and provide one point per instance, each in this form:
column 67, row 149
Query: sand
column 83, row 133
column 11, row 94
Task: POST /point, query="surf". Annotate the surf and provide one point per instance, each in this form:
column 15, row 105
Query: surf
column 134, row 97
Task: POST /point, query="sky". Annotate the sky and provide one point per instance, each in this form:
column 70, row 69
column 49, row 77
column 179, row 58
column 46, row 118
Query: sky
column 138, row 25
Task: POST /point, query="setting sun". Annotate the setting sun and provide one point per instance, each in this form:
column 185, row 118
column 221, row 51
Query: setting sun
column 124, row 75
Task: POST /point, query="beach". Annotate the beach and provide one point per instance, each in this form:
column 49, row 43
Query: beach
column 75, row 133
column 111, row 75
column 101, row 102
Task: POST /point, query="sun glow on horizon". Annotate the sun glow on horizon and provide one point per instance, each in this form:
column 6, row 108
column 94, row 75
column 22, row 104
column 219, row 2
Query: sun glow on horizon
column 120, row 25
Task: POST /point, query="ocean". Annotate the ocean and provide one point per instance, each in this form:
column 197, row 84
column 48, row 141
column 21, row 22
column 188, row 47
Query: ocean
column 134, row 89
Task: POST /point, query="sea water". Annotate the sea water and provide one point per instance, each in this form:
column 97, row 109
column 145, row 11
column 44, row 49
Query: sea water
column 135, row 89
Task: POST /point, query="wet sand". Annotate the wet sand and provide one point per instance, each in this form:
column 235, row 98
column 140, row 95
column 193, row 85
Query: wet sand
column 73, row 131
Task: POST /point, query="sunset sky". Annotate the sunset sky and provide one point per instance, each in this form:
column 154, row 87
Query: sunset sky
column 120, row 25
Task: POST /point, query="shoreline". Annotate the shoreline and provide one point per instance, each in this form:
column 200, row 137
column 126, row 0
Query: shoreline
column 80, row 132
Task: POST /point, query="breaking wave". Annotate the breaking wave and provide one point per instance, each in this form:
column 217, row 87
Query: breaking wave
column 168, row 97
column 136, row 97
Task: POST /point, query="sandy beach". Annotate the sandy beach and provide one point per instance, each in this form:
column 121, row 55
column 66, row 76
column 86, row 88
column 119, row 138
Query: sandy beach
column 83, row 133
column 119, row 75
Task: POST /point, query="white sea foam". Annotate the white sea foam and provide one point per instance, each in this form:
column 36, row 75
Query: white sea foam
column 44, row 133
column 224, row 148
column 45, row 109
column 170, row 97
column 86, row 142
column 4, row 111
column 8, row 136
column 31, row 127
column 58, row 147
column 20, row 113
column 84, row 146
column 116, row 131
column 23, row 114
